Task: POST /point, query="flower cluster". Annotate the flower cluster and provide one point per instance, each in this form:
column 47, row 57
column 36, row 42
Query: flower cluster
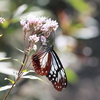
column 37, row 28
column 1, row 20
column 38, row 25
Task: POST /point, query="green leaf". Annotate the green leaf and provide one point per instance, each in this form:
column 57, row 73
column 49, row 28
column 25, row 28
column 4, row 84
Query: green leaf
column 26, row 72
column 19, row 61
column 20, row 10
column 72, row 77
column 5, row 58
column 19, row 50
column 5, row 87
column 79, row 5
column 10, row 80
column 33, row 77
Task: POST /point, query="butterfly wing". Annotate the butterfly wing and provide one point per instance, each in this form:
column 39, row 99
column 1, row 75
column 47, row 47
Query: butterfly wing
column 57, row 73
column 42, row 62
column 47, row 62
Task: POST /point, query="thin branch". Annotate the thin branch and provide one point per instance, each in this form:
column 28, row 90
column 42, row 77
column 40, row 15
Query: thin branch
column 11, row 88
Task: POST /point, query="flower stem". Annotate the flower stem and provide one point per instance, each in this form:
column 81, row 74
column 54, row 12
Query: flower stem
column 11, row 88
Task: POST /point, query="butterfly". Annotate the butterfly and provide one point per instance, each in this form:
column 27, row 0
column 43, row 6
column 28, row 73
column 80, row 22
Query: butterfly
column 46, row 62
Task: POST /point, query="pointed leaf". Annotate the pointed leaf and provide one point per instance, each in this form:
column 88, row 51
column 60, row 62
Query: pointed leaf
column 19, row 61
column 10, row 80
column 33, row 77
column 5, row 58
column 26, row 72
column 5, row 87
column 20, row 10
column 19, row 50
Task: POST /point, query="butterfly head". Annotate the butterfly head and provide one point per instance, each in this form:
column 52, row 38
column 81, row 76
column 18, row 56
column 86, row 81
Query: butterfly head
column 35, row 58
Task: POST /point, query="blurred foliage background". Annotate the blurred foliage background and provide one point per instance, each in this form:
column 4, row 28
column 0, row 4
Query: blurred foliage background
column 77, row 42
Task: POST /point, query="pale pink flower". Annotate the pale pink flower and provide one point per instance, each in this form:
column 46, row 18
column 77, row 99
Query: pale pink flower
column 25, row 25
column 42, row 20
column 38, row 25
column 32, row 19
column 49, row 26
column 2, row 20
column 23, row 22
column 33, row 38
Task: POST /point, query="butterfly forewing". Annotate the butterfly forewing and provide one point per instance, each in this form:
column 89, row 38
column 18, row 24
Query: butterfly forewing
column 57, row 74
column 41, row 62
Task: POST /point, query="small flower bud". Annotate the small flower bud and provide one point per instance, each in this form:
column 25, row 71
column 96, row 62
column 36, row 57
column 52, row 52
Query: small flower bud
column 43, row 40
column 35, row 47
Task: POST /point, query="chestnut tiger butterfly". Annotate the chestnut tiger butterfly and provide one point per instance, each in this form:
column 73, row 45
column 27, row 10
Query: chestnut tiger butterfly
column 46, row 62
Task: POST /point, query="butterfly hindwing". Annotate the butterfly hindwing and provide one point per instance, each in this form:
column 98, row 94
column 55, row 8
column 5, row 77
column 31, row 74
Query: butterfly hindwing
column 57, row 74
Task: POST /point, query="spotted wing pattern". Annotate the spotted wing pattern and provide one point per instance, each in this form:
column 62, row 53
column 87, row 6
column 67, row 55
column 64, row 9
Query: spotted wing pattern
column 57, row 73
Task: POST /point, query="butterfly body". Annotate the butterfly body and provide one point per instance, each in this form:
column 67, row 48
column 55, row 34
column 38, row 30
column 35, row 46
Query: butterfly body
column 46, row 62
